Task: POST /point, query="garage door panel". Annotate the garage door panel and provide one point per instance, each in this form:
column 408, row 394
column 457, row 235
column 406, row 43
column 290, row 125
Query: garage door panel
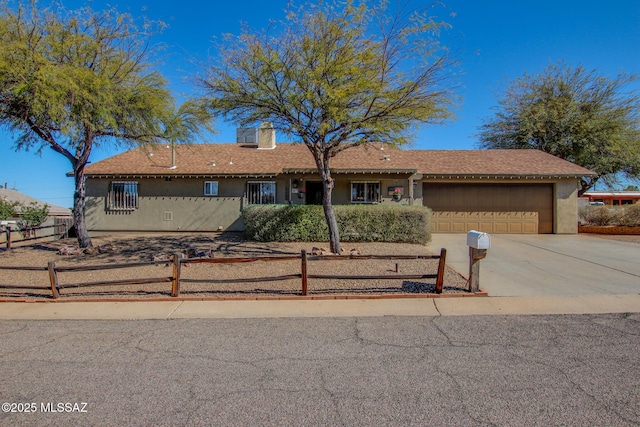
column 443, row 227
column 471, row 225
column 501, row 227
column 486, row 227
column 515, row 227
column 508, row 203
column 459, row 227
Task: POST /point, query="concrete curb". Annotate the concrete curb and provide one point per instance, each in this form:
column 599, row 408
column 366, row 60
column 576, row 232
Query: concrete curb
column 63, row 300
column 104, row 310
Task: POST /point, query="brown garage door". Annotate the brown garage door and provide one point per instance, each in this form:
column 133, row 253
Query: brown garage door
column 493, row 198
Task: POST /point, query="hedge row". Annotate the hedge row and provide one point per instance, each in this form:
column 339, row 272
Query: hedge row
column 602, row 215
column 356, row 223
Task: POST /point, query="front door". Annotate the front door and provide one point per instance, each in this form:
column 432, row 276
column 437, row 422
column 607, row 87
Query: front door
column 313, row 195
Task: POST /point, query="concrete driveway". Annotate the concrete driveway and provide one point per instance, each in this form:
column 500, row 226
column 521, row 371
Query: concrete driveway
column 545, row 264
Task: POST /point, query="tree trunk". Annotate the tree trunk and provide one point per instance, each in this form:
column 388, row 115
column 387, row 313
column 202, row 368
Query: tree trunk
column 80, row 225
column 322, row 162
column 334, row 234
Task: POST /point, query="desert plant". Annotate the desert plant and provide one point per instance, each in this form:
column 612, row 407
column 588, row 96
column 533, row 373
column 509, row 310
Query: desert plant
column 8, row 209
column 597, row 215
column 33, row 215
column 630, row 216
column 336, row 74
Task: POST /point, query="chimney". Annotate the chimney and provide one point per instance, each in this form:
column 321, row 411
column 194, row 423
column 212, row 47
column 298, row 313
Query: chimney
column 266, row 136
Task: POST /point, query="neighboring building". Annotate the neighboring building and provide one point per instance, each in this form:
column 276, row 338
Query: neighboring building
column 57, row 215
column 15, row 196
column 612, row 198
column 500, row 191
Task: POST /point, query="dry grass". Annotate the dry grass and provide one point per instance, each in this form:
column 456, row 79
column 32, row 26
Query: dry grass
column 215, row 280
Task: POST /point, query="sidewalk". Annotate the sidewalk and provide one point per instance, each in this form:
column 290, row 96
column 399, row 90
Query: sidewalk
column 527, row 305
column 523, row 275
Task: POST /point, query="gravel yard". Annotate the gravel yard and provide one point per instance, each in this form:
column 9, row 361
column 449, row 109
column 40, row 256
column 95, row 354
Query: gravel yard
column 204, row 280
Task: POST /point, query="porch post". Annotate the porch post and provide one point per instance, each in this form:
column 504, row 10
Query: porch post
column 411, row 190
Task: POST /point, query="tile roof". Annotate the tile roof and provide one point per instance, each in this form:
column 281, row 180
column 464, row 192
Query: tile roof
column 495, row 162
column 245, row 159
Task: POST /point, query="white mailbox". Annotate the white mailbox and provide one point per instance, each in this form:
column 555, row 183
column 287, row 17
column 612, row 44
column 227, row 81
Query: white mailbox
column 478, row 240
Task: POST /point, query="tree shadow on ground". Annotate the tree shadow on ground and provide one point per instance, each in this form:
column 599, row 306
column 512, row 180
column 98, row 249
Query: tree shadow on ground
column 142, row 248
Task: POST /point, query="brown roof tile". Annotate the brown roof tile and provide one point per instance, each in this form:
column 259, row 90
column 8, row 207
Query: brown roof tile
column 242, row 159
column 495, row 162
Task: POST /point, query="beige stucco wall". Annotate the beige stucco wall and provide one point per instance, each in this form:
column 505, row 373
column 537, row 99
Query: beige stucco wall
column 176, row 205
column 566, row 206
column 179, row 204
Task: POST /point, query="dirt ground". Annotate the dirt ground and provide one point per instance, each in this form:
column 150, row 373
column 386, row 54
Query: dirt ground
column 204, row 280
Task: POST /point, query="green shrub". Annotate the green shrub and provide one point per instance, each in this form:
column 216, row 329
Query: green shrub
column 630, row 216
column 33, row 215
column 356, row 223
column 8, row 209
column 284, row 223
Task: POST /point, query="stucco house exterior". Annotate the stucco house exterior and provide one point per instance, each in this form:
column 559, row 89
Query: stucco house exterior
column 203, row 187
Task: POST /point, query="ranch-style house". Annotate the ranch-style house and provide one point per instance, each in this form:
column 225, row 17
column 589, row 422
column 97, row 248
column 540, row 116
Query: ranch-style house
column 203, row 187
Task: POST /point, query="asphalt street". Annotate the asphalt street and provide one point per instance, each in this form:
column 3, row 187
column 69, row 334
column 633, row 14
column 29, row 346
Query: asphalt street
column 579, row 370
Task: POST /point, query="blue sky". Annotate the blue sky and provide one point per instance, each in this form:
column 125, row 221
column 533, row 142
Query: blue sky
column 494, row 41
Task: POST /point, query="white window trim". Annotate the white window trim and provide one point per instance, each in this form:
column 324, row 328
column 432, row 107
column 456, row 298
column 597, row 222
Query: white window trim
column 212, row 194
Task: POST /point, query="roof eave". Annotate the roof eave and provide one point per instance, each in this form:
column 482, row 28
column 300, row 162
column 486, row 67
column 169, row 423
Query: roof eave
column 504, row 176
column 350, row 171
column 184, row 175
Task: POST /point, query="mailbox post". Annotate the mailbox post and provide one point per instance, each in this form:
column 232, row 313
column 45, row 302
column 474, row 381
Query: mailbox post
column 478, row 243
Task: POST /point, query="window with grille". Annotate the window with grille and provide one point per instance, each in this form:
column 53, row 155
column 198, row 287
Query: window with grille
column 365, row 192
column 261, row 193
column 123, row 196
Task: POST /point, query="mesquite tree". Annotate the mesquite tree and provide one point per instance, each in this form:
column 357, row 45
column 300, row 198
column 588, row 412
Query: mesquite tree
column 335, row 75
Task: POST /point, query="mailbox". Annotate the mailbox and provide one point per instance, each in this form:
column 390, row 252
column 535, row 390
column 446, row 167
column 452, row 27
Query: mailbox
column 478, row 240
